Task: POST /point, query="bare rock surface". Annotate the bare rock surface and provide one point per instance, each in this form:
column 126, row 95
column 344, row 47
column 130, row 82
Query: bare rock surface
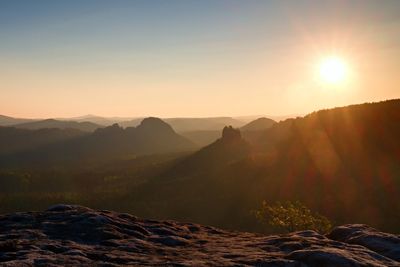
column 66, row 235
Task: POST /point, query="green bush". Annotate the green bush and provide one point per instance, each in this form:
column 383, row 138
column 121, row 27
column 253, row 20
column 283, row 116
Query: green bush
column 292, row 216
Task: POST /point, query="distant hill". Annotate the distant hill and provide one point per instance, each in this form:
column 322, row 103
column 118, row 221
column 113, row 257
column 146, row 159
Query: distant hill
column 258, row 124
column 104, row 121
column 8, row 121
column 51, row 123
column 276, row 118
column 152, row 136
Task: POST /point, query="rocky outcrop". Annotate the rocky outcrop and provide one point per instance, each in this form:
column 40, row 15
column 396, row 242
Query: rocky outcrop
column 67, row 235
column 382, row 243
column 230, row 134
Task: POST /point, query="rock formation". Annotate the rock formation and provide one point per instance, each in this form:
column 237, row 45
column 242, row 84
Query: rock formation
column 67, row 235
column 230, row 134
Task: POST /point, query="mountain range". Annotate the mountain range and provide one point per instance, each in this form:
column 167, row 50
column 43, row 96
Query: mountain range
column 180, row 125
column 341, row 162
column 201, row 131
column 8, row 121
column 151, row 136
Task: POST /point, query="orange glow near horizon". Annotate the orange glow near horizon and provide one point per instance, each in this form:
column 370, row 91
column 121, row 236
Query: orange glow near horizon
column 128, row 59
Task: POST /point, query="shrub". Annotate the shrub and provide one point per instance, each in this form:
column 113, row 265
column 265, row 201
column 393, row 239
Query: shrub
column 292, row 216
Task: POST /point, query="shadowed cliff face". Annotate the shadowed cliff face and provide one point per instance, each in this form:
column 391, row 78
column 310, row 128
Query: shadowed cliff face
column 74, row 235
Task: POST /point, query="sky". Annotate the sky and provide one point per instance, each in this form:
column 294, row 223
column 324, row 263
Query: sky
column 188, row 58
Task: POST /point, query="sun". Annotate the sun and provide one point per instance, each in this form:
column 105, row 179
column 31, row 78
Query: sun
column 333, row 70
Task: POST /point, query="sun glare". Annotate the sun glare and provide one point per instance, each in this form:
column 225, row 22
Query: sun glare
column 333, row 70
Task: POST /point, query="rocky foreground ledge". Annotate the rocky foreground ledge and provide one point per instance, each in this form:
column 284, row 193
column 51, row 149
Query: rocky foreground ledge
column 74, row 236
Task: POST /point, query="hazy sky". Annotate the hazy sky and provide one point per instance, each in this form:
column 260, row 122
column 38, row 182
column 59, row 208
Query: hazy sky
column 193, row 58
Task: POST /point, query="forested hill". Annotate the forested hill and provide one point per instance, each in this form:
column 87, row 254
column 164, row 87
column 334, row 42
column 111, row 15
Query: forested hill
column 343, row 162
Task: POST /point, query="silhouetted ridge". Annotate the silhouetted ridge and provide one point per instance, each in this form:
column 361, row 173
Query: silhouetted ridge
column 9, row 121
column 152, row 136
column 154, row 123
column 52, row 123
column 258, row 124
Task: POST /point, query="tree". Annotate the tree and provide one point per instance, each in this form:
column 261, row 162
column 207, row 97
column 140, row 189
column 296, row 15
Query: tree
column 292, row 216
